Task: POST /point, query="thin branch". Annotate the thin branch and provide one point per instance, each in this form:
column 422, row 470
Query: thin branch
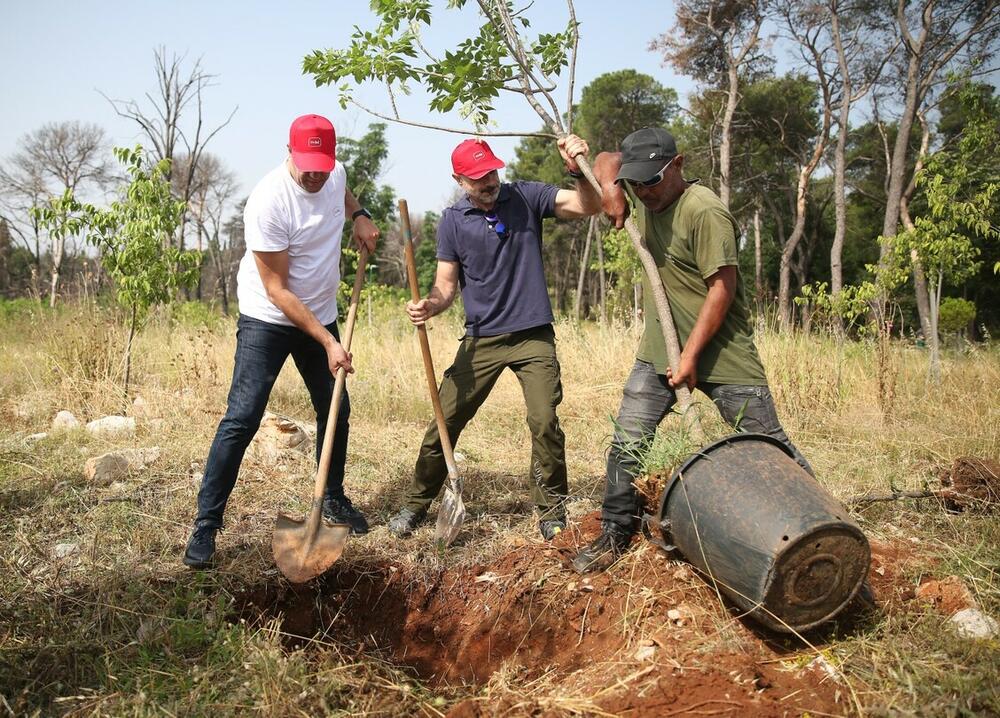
column 893, row 496
column 454, row 130
column 572, row 65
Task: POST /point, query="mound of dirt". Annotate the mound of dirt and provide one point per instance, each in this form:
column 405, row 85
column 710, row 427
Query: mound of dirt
column 647, row 637
column 971, row 483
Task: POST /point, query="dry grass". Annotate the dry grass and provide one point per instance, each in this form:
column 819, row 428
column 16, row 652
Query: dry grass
column 122, row 628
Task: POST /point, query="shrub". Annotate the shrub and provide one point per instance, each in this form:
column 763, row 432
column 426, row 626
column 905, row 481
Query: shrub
column 955, row 315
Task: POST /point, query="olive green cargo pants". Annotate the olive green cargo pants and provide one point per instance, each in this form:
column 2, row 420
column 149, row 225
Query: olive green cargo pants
column 531, row 355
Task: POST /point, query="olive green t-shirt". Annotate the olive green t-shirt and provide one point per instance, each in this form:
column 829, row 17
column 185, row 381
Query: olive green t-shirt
column 690, row 241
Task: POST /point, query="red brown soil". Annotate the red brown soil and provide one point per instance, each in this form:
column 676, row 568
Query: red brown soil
column 971, row 483
column 606, row 638
column 948, row 596
column 887, row 575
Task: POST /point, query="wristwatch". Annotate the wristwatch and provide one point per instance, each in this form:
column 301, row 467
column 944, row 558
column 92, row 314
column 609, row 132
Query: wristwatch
column 361, row 212
column 575, row 175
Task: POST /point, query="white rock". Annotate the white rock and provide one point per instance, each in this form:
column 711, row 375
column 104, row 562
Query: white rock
column 673, row 614
column 488, row 577
column 820, row 663
column 459, row 457
column 277, row 435
column 64, row 420
column 141, row 408
column 108, row 425
column 141, row 458
column 105, row 469
column 65, row 550
column 645, row 653
column 108, row 468
column 32, row 438
column 973, row 623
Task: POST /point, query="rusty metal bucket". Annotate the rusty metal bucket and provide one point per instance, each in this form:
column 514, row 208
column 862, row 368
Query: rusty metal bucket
column 764, row 531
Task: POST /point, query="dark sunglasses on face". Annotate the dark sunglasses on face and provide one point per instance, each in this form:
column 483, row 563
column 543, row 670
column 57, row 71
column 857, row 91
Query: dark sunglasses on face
column 655, row 179
column 496, row 225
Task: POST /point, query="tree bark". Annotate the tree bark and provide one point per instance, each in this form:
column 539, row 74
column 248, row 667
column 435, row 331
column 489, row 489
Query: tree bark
column 920, row 288
column 584, row 263
column 602, row 289
column 758, row 264
column 798, row 230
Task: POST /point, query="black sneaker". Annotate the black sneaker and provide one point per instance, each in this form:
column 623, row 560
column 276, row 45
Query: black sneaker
column 342, row 511
column 200, row 549
column 604, row 550
column 551, row 528
column 404, row 523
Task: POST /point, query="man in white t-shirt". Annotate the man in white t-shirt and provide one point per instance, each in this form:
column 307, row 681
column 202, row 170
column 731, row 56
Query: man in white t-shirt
column 287, row 289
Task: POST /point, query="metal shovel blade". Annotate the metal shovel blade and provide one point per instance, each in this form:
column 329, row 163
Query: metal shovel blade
column 451, row 513
column 303, row 550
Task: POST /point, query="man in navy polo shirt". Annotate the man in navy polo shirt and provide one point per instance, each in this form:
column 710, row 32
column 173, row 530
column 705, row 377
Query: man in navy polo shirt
column 489, row 243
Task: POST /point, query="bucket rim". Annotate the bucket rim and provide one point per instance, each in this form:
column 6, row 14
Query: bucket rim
column 703, row 453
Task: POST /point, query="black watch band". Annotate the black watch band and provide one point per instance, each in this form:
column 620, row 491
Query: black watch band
column 575, row 175
column 361, row 212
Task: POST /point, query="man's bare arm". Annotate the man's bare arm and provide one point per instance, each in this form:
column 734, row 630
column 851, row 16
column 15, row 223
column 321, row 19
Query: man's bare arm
column 440, row 297
column 721, row 291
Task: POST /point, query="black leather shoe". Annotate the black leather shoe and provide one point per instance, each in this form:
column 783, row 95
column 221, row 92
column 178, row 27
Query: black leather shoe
column 200, row 550
column 604, row 550
column 404, row 523
column 342, row 511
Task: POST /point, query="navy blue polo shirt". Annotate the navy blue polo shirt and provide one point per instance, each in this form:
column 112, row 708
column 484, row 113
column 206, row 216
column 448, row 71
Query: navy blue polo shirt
column 502, row 279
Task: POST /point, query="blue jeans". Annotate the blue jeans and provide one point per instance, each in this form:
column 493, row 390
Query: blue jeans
column 646, row 399
column 261, row 351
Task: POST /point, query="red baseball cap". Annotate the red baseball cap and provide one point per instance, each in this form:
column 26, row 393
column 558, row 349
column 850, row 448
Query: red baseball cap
column 474, row 159
column 313, row 144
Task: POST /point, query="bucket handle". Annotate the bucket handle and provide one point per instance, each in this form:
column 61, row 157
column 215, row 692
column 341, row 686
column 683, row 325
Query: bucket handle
column 649, row 524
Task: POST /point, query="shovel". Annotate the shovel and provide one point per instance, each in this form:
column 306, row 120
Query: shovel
column 451, row 514
column 305, row 548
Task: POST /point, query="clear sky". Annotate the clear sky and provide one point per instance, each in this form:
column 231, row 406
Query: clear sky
column 56, row 56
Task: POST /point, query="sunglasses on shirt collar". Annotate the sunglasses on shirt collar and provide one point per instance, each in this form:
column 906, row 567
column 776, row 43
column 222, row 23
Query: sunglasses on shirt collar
column 496, row 225
column 655, row 179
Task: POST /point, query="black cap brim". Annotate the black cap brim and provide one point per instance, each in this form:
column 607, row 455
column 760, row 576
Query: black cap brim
column 640, row 171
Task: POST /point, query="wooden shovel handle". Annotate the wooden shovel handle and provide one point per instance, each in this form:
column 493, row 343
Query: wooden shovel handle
column 667, row 328
column 425, row 347
column 338, row 387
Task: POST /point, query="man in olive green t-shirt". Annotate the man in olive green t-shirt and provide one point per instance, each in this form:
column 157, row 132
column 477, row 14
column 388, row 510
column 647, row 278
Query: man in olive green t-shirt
column 692, row 237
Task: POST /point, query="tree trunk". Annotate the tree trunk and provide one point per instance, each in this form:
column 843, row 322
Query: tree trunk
column 901, row 148
column 58, row 247
column 840, row 172
column 602, row 289
column 224, row 292
column 584, row 263
column 920, row 289
column 785, row 270
column 128, row 355
column 725, row 141
column 935, row 345
column 758, row 265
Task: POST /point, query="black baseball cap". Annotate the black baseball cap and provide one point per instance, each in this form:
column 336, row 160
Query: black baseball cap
column 644, row 153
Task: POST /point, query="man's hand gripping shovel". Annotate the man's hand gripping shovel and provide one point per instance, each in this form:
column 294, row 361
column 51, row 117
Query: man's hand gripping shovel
column 451, row 514
column 305, row 548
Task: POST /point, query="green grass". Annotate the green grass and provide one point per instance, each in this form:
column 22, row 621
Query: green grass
column 121, row 628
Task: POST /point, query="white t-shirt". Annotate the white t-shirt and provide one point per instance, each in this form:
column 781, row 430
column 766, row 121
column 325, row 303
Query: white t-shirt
column 280, row 215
